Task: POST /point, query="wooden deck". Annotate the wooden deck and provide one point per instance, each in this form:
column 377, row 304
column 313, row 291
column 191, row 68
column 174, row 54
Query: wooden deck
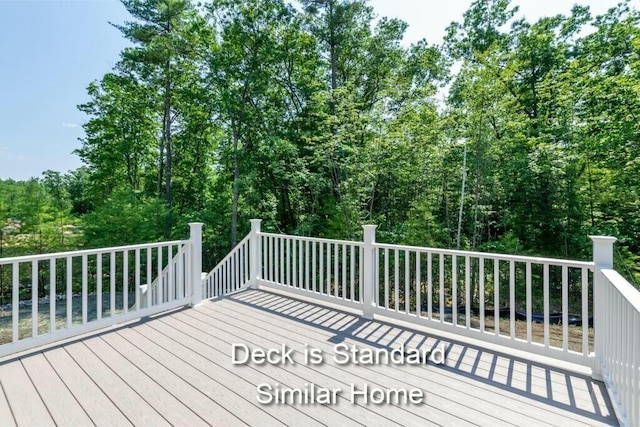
column 175, row 369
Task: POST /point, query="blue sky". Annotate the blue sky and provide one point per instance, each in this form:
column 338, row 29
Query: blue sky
column 50, row 50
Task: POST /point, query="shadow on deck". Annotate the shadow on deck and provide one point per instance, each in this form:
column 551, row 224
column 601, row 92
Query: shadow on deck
column 175, row 369
column 511, row 375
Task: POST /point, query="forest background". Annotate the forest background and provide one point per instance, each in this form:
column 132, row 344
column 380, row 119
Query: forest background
column 317, row 119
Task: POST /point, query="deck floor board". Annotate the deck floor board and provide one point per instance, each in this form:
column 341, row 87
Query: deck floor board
column 243, row 380
column 64, row 408
column 134, row 406
column 437, row 409
column 156, row 395
column 190, row 387
column 464, row 391
column 401, row 376
column 326, row 379
column 207, row 378
column 25, row 402
column 96, row 404
column 550, row 386
column 175, row 369
column 5, row 411
column 342, row 414
column 448, row 390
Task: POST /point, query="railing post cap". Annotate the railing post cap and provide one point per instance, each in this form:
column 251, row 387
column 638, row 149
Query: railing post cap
column 603, row 251
column 196, row 226
column 255, row 225
column 369, row 233
column 603, row 239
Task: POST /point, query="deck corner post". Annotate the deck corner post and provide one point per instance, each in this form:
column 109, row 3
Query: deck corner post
column 196, row 262
column 602, row 259
column 256, row 252
column 368, row 285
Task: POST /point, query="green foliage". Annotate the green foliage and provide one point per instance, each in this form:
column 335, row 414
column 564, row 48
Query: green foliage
column 35, row 216
column 124, row 218
column 319, row 120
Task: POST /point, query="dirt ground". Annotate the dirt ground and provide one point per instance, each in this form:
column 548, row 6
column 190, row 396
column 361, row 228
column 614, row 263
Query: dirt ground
column 25, row 322
column 537, row 331
column 25, row 318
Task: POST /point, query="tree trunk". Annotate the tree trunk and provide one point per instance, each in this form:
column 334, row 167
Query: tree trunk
column 464, row 178
column 236, row 189
column 161, row 164
column 591, row 208
column 445, row 201
column 335, row 158
column 167, row 139
column 332, row 50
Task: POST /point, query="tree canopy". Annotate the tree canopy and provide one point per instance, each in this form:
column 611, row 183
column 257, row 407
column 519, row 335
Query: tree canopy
column 511, row 136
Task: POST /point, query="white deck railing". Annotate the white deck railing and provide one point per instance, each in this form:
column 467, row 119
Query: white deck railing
column 166, row 283
column 620, row 357
column 617, row 332
column 543, row 306
column 329, row 270
column 447, row 290
column 230, row 274
column 60, row 295
column 431, row 287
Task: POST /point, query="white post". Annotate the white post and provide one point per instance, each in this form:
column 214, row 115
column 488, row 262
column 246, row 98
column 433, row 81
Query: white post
column 256, row 252
column 602, row 258
column 196, row 262
column 369, row 285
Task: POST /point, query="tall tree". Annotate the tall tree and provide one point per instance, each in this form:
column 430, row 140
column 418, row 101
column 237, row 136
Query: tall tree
column 165, row 38
column 258, row 75
column 120, row 135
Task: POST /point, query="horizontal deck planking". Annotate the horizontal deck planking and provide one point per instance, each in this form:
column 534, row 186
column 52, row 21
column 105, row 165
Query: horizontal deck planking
column 566, row 388
column 176, row 369
column 498, row 368
column 301, row 374
column 26, row 405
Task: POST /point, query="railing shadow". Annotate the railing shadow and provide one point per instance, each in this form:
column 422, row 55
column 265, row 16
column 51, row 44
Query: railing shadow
column 512, row 374
column 12, row 358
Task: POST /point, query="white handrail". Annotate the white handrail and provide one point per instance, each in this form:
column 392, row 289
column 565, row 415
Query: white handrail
column 507, row 257
column 313, row 239
column 626, row 289
column 40, row 257
column 230, row 254
column 619, row 359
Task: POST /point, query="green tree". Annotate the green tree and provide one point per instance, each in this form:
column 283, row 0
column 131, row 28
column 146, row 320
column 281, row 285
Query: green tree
column 120, row 135
column 167, row 37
